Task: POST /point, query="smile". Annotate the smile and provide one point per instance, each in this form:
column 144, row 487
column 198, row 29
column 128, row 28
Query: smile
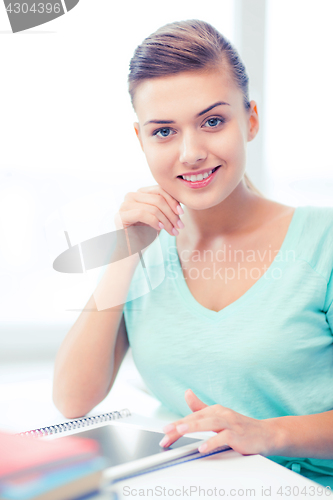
column 198, row 181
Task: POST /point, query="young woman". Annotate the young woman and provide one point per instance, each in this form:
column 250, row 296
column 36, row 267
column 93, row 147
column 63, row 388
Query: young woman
column 237, row 337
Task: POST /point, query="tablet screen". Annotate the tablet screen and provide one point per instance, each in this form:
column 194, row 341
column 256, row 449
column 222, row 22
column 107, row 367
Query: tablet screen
column 122, row 444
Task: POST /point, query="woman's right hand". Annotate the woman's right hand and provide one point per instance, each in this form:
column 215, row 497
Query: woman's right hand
column 149, row 206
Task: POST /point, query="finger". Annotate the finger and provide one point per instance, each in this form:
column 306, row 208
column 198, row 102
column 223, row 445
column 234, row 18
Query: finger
column 160, row 201
column 134, row 212
column 193, row 401
column 118, row 222
column 196, row 422
column 220, row 440
column 174, row 204
column 193, row 416
column 138, row 214
column 207, row 423
column 160, row 217
column 170, row 220
column 206, row 412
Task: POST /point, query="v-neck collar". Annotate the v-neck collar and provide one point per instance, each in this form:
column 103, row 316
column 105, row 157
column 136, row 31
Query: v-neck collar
column 278, row 262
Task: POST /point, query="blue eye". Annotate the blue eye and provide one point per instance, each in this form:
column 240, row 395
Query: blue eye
column 214, row 122
column 163, row 132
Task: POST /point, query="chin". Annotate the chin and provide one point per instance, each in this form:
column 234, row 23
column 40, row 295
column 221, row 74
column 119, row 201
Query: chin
column 201, row 204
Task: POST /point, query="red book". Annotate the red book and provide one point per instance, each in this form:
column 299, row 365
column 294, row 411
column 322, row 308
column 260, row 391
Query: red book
column 19, row 454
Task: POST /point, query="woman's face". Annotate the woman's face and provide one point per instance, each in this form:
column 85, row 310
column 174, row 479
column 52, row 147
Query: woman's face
column 189, row 124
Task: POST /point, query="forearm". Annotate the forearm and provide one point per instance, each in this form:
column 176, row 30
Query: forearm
column 307, row 436
column 85, row 365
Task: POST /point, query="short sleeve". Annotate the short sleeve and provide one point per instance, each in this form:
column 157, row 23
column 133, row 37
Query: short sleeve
column 329, row 302
column 324, row 258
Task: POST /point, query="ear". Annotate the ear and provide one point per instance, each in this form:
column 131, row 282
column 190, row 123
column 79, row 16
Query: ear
column 137, row 131
column 253, row 121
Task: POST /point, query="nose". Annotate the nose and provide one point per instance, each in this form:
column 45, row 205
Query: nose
column 192, row 150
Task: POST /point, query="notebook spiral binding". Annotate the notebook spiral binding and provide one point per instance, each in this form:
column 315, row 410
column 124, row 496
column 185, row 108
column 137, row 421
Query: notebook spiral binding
column 76, row 424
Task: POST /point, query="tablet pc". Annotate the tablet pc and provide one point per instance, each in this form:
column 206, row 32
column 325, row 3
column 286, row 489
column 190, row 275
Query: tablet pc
column 130, row 450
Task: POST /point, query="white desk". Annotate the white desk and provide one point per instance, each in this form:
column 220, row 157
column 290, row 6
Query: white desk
column 26, row 403
column 226, row 474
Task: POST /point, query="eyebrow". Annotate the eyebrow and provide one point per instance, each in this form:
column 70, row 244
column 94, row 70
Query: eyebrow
column 166, row 122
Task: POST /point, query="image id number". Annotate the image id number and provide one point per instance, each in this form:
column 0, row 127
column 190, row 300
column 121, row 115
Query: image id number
column 295, row 491
column 35, row 8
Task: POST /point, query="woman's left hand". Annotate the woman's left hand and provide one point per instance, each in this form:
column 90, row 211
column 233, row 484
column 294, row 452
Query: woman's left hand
column 245, row 435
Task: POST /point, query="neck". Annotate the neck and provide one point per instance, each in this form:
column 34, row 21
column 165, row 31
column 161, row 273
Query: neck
column 233, row 216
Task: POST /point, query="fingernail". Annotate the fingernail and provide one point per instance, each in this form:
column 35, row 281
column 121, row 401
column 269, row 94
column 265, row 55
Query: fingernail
column 168, row 428
column 175, row 232
column 161, row 225
column 180, row 224
column 182, row 428
column 164, row 442
column 180, row 210
column 203, row 447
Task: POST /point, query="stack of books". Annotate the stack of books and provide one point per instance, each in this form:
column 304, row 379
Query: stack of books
column 60, row 469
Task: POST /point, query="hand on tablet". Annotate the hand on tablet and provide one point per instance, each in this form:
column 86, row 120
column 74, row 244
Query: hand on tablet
column 245, row 435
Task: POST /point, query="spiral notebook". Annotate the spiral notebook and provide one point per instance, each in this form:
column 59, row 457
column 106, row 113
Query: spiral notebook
column 128, row 449
column 79, row 423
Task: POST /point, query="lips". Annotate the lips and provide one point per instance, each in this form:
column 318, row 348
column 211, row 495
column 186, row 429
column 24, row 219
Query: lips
column 200, row 184
column 206, row 170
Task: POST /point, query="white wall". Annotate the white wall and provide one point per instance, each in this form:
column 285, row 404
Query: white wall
column 299, row 104
column 67, row 142
column 68, row 148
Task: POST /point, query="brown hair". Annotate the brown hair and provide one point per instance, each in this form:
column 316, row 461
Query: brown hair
column 191, row 45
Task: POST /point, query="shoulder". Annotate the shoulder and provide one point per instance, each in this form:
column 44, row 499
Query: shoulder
column 320, row 217
column 311, row 220
column 310, row 233
column 316, row 224
column 315, row 231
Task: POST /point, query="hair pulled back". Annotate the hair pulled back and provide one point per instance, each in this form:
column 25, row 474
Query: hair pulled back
column 184, row 46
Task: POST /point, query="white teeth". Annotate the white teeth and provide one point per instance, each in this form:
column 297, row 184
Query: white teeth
column 199, row 177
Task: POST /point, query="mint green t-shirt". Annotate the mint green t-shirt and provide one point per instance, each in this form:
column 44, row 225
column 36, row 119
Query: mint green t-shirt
column 268, row 354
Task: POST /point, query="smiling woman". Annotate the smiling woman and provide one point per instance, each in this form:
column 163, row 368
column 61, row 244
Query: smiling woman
column 252, row 338
column 177, row 56
column 208, row 130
